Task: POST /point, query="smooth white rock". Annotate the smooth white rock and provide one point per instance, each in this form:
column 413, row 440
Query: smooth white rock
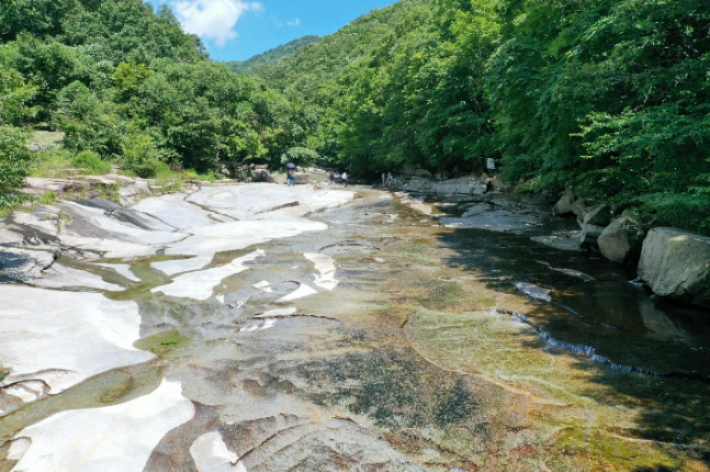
column 43, row 225
column 302, row 292
column 118, row 438
column 211, row 455
column 9, row 237
column 279, row 313
column 246, row 202
column 209, row 240
column 179, row 266
column 175, row 211
column 59, row 276
column 200, row 285
column 73, row 335
column 26, row 391
column 18, row 448
column 264, row 286
column 325, row 265
column 119, row 230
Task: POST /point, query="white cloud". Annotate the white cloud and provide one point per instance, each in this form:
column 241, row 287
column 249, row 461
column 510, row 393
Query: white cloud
column 295, row 22
column 213, row 19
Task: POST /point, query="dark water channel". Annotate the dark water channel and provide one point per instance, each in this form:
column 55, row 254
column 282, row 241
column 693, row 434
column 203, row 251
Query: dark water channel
column 593, row 307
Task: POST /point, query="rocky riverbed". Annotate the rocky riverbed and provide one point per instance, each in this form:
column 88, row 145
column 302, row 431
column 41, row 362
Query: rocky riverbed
column 264, row 328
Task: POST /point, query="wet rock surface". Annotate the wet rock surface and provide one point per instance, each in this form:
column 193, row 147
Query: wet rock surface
column 265, row 328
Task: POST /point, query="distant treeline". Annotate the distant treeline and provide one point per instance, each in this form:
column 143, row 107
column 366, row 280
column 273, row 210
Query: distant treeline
column 272, row 56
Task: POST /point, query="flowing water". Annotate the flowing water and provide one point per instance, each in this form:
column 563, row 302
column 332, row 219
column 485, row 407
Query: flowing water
column 382, row 342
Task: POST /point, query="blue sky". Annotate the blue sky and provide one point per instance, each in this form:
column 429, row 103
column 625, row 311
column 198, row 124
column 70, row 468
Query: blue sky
column 236, row 30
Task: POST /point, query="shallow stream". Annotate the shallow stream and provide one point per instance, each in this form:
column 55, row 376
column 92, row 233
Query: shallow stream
column 384, row 342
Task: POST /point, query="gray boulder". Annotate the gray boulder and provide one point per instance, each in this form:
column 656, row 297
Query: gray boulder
column 261, row 175
column 424, row 174
column 564, row 205
column 600, row 216
column 465, row 185
column 417, row 184
column 622, row 240
column 590, row 235
column 579, row 208
column 303, row 178
column 676, row 264
column 500, row 185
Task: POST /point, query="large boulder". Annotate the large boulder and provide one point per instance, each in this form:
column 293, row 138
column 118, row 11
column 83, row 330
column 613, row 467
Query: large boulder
column 500, row 185
column 465, row 186
column 261, row 175
column 676, row 264
column 303, row 178
column 590, row 236
column 423, row 173
column 579, row 208
column 38, row 186
column 564, row 205
column 417, row 184
column 600, row 216
column 622, row 240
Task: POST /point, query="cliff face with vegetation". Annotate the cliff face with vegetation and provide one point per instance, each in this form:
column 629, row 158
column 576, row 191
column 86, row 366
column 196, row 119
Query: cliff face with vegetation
column 609, row 98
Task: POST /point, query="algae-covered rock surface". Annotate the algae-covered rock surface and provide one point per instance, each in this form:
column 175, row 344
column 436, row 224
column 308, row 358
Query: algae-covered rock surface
column 265, row 328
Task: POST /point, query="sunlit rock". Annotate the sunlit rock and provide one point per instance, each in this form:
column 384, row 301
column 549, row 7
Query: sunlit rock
column 200, row 285
column 211, row 455
column 118, row 438
column 676, row 264
column 63, row 338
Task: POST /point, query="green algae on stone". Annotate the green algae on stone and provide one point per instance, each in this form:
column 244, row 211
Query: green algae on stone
column 164, row 343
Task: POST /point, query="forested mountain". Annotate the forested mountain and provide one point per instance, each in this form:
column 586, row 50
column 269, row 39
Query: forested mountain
column 272, row 56
column 608, row 97
column 126, row 83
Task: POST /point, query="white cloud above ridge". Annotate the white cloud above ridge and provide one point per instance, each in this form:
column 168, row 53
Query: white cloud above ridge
column 295, row 22
column 213, row 19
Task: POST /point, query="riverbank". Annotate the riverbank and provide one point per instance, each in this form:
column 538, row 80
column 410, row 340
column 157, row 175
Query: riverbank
column 671, row 262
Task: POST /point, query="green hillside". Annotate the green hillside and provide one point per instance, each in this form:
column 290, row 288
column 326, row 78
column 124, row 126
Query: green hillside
column 272, row 56
column 610, row 98
column 125, row 83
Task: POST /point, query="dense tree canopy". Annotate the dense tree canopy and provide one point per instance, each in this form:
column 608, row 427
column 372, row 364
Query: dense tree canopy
column 606, row 97
column 126, row 82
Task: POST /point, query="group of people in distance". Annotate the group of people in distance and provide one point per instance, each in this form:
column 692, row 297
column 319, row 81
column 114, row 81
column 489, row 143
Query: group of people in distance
column 387, row 178
column 334, row 177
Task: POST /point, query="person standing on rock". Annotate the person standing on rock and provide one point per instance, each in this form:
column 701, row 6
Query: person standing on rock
column 291, row 177
column 390, row 179
column 384, row 179
column 344, row 178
